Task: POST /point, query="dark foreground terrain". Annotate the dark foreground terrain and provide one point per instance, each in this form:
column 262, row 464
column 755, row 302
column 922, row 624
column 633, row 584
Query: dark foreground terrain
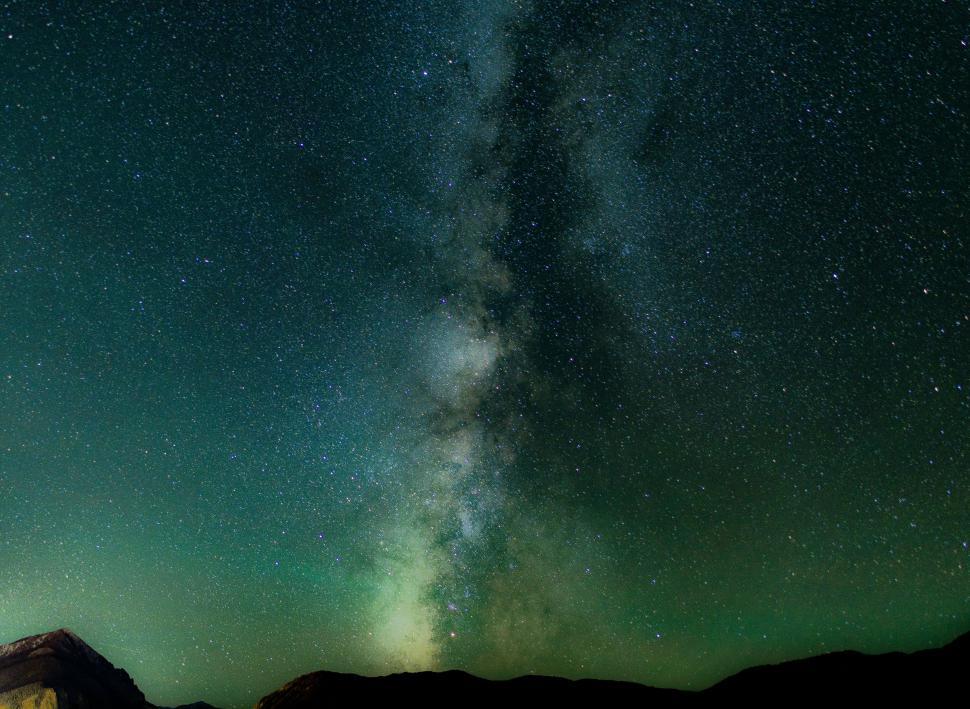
column 58, row 670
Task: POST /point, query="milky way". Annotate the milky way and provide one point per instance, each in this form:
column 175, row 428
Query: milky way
column 621, row 340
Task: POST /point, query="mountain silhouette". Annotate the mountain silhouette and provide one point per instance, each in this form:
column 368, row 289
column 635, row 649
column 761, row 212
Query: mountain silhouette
column 318, row 689
column 848, row 675
column 58, row 670
column 922, row 676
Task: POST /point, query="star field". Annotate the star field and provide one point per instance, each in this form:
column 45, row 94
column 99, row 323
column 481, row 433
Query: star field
column 600, row 339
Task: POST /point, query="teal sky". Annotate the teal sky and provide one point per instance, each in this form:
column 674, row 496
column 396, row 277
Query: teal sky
column 622, row 340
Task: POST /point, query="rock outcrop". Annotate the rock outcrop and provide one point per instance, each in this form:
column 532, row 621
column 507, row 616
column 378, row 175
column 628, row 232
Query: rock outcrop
column 58, row 670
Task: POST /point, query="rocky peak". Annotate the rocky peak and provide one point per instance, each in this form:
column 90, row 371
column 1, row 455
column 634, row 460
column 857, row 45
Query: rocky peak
column 59, row 669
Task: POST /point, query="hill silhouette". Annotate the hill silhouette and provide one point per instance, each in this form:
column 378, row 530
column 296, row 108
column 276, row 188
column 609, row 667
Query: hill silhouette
column 60, row 671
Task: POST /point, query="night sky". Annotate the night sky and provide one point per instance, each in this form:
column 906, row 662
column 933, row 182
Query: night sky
column 600, row 339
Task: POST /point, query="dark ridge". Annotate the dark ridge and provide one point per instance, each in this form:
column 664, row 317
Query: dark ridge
column 890, row 677
column 62, row 670
column 319, row 688
column 919, row 677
